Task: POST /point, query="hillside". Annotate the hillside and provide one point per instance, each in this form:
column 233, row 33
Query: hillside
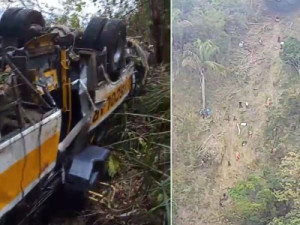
column 227, row 167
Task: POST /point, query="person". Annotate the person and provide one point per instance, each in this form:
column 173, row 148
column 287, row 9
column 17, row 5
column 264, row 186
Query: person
column 223, row 199
column 205, row 113
column 237, row 156
column 241, row 44
column 247, row 105
column 281, row 45
column 269, row 102
column 240, row 105
column 250, row 134
column 278, row 39
column 208, row 112
column 202, row 113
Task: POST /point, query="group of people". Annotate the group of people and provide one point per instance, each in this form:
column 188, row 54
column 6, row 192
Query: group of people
column 205, row 113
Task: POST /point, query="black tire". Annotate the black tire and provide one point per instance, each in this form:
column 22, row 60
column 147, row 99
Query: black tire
column 92, row 32
column 113, row 37
column 24, row 19
column 7, row 24
column 16, row 22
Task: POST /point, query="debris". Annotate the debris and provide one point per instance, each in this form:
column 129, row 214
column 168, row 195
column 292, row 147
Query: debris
column 269, row 102
column 202, row 164
column 278, row 39
column 240, row 105
column 4, row 88
column 239, row 129
column 281, row 45
column 250, row 134
column 260, row 41
column 244, row 143
column 237, row 156
column 244, row 124
column 228, row 163
column 223, row 199
column 7, row 69
column 151, row 47
column 241, row 44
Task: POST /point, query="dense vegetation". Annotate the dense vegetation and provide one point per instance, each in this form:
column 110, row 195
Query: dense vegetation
column 139, row 133
column 268, row 193
column 140, row 165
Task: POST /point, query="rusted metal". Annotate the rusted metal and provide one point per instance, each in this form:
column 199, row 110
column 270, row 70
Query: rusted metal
column 41, row 41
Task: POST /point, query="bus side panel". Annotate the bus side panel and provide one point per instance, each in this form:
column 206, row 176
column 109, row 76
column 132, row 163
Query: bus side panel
column 113, row 96
column 26, row 159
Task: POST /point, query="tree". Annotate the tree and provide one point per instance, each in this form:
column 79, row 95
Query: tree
column 253, row 201
column 291, row 53
column 292, row 218
column 202, row 57
column 160, row 29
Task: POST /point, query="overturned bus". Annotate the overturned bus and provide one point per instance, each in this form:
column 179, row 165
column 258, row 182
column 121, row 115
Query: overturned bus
column 57, row 86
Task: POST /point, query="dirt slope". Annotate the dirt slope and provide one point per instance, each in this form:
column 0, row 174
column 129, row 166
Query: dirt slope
column 198, row 184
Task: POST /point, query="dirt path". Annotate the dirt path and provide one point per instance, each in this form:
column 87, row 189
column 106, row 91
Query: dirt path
column 262, row 66
column 260, row 87
column 263, row 77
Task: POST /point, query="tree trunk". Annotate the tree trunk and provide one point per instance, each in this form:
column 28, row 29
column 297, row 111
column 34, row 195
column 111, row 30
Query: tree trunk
column 160, row 29
column 202, row 74
column 166, row 32
column 156, row 29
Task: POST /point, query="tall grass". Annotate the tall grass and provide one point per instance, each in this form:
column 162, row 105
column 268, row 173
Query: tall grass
column 140, row 163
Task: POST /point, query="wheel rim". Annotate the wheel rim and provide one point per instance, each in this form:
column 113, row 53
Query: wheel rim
column 118, row 52
column 117, row 56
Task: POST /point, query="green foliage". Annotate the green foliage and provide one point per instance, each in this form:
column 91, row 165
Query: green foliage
column 74, row 21
column 157, row 101
column 261, row 199
column 202, row 55
column 293, row 218
column 283, row 120
column 176, row 13
column 289, row 172
column 114, row 165
column 145, row 143
column 253, row 200
column 291, row 49
column 215, row 20
column 291, row 52
column 283, row 128
column 140, row 22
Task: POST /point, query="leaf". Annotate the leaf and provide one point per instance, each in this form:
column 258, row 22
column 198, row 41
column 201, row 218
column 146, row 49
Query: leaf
column 189, row 62
column 114, row 165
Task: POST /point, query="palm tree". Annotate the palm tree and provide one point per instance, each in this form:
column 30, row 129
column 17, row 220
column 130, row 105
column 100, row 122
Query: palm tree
column 201, row 57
